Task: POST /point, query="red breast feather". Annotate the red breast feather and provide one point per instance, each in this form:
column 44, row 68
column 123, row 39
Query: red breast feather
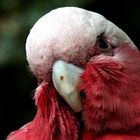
column 53, row 121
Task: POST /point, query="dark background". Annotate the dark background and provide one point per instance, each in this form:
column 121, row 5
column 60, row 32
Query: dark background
column 17, row 84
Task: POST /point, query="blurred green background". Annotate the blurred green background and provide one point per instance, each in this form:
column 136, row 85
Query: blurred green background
column 17, row 84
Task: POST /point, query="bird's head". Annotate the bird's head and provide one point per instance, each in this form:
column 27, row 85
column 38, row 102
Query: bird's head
column 78, row 50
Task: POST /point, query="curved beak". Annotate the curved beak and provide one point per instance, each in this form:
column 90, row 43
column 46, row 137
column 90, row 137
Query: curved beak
column 66, row 77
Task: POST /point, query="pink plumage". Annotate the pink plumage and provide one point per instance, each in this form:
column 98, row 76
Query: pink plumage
column 111, row 88
column 52, row 121
column 105, row 71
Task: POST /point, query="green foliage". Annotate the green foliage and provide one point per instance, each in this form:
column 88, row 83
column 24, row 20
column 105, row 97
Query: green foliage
column 16, row 19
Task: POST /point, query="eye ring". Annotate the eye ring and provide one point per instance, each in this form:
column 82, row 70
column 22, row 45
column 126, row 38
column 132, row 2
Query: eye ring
column 102, row 42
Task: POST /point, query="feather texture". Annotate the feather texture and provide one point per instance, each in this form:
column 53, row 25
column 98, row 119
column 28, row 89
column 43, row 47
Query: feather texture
column 110, row 83
column 54, row 120
column 111, row 86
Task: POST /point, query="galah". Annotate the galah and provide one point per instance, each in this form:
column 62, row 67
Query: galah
column 88, row 73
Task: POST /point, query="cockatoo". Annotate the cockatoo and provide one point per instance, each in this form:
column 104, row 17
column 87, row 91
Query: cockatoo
column 88, row 72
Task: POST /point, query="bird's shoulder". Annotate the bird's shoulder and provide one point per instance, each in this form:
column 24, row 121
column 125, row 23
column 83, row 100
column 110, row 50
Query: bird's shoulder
column 21, row 134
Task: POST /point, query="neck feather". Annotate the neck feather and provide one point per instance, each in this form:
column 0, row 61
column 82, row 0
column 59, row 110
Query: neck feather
column 54, row 120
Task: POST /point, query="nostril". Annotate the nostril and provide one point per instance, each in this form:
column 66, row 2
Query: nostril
column 61, row 77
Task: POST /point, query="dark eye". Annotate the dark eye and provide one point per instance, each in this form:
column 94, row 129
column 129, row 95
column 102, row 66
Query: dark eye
column 102, row 43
